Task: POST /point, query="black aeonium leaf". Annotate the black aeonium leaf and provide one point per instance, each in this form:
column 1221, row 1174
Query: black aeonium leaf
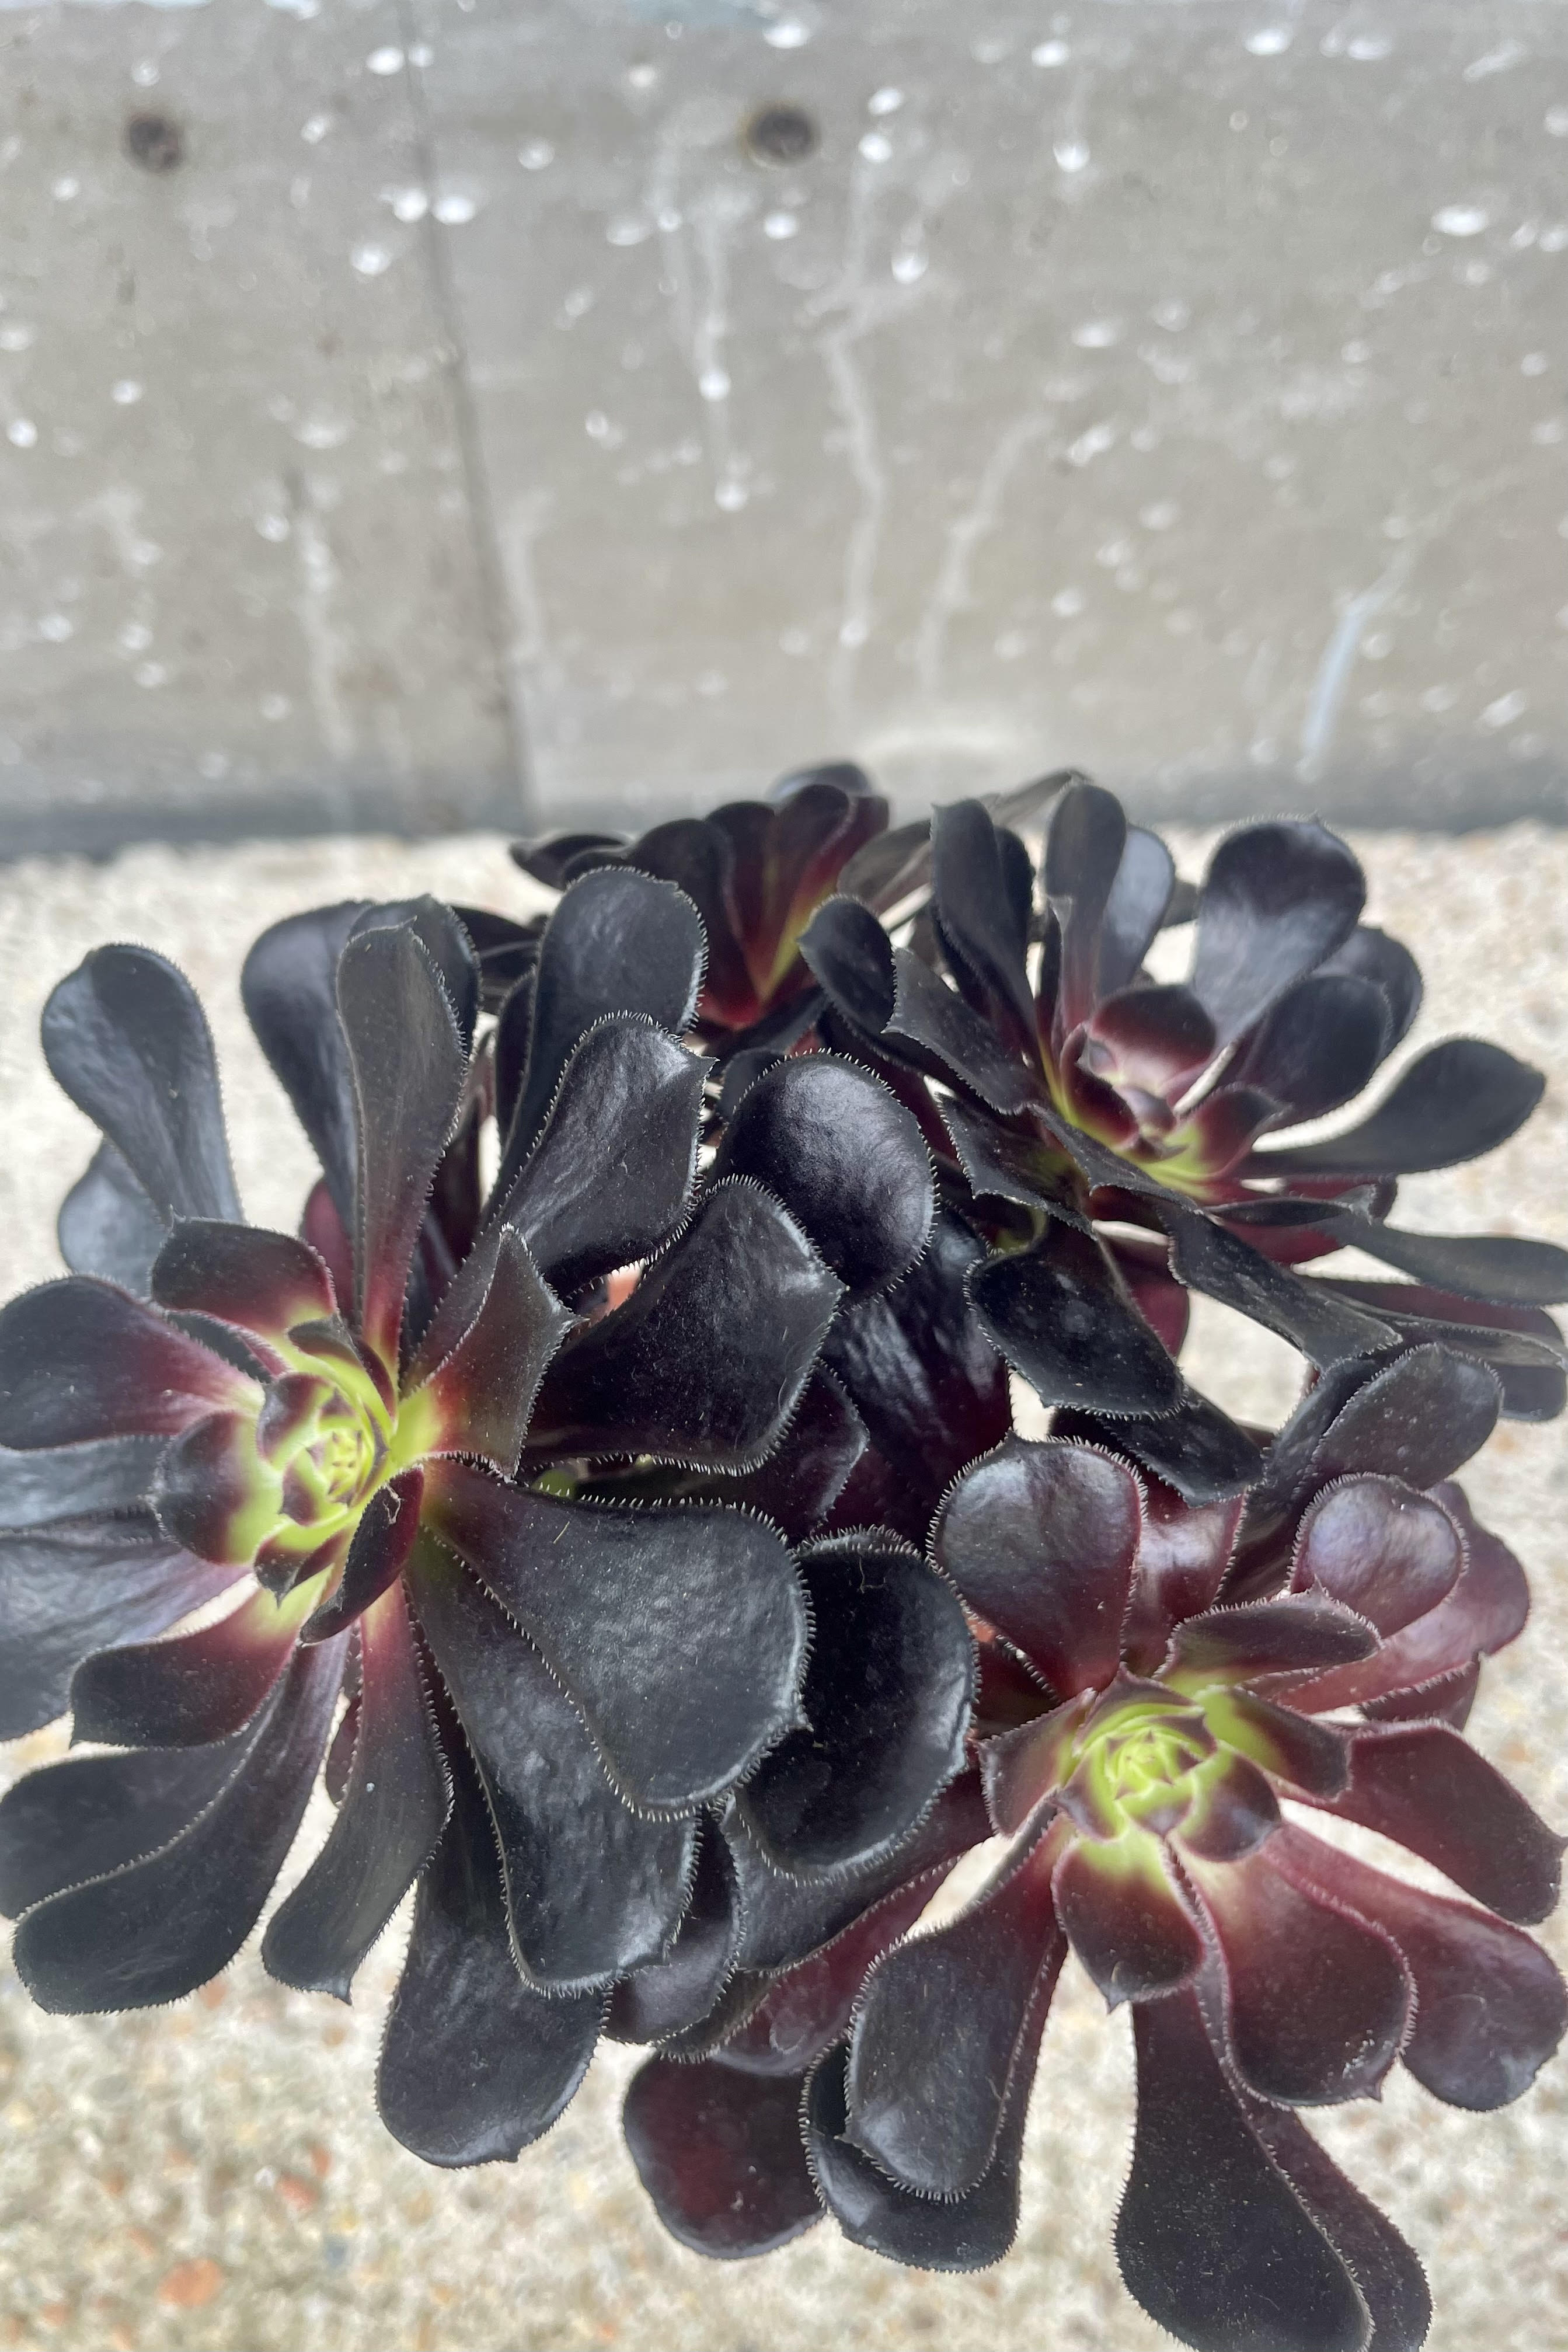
column 390, row 1816
column 108, row 1224
column 845, row 1159
column 409, row 1064
column 592, row 1889
column 674, row 1994
column 476, row 2063
column 288, row 985
column 127, row 1040
column 1278, row 899
column 160, row 1926
column 1454, row 1102
column 702, row 1674
column 1212, row 2237
column 886, row 1698
column 619, row 942
column 1060, row 1314
column 627, row 1111
column 720, row 2154
column 675, row 1372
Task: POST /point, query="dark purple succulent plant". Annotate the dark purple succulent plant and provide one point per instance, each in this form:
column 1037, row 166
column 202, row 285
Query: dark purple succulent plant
column 757, row 871
column 387, row 1470
column 1159, row 1681
column 1114, row 1136
column 637, row 1540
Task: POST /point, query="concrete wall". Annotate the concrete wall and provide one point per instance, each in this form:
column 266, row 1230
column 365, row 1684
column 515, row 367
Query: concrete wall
column 498, row 411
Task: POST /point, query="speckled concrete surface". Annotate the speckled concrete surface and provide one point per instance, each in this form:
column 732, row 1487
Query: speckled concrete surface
column 212, row 2176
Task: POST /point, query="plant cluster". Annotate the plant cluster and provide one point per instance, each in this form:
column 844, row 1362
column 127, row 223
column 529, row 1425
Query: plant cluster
column 611, row 1492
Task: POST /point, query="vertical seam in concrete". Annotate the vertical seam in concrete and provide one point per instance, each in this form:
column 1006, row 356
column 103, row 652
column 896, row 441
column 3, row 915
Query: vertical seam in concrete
column 476, row 476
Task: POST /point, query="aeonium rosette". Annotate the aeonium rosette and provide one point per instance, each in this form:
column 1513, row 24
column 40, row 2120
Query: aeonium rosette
column 1124, row 1140
column 888, row 2081
column 757, row 871
column 383, row 1469
column 1193, row 1677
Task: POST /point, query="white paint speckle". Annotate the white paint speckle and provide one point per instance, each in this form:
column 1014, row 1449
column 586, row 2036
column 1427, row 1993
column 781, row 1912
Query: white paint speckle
column 536, row 154
column 643, row 76
column 135, row 637
column 1355, row 354
column 886, row 100
column 1091, row 445
column 875, row 147
column 1461, row 220
column 388, row 60
column 323, row 432
column 1071, row 154
column 909, row 266
column 65, row 188
column 1505, row 710
column 314, row 128
column 273, row 527
column 1555, row 238
column 732, row 494
column 787, row 32
column 713, row 383
column 1549, row 432
column 144, row 73
column 275, row 707
column 1533, row 363
column 151, row 673
column 1270, row 40
column 370, row 260
column 55, row 627
column 1496, row 61
column 126, row 392
column 1173, row 314
column 630, row 230
column 421, row 55
column 1160, row 515
column 1557, row 121
column 854, row 631
column 1096, row 334
column 1047, row 54
column 779, row 226
column 1067, row 603
column 1368, row 48
column 1378, row 646
column 22, row 432
column 455, row 208
column 408, row 204
column 17, row 336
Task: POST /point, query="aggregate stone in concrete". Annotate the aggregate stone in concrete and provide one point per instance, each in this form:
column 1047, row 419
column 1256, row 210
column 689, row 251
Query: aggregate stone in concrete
column 210, row 2176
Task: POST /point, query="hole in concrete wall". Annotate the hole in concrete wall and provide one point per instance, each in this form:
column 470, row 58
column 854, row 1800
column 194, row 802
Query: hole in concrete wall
column 154, row 142
column 780, row 134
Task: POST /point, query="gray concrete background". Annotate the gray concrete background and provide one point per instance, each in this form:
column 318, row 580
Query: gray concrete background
column 211, row 2176
column 470, row 429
